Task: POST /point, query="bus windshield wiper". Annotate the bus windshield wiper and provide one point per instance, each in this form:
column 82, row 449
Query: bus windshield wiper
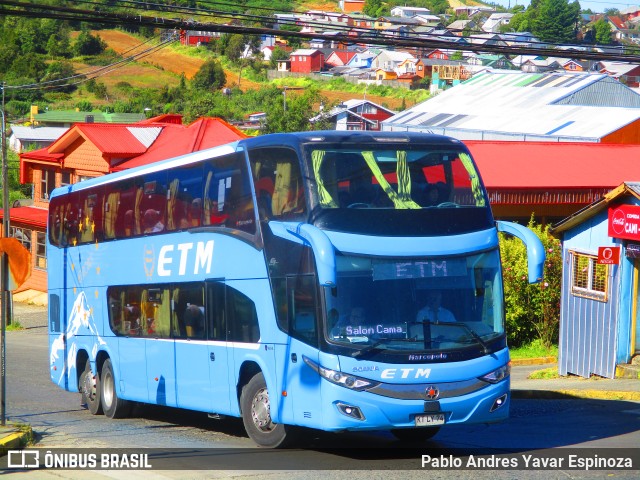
column 371, row 348
column 464, row 326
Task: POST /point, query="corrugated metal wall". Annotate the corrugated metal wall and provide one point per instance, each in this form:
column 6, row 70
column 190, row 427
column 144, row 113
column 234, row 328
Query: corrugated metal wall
column 587, row 329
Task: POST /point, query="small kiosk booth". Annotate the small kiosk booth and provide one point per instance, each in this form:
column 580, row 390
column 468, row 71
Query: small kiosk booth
column 600, row 284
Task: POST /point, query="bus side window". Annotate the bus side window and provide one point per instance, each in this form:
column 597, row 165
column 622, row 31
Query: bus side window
column 184, row 204
column 215, row 312
column 227, row 194
column 70, row 221
column 56, row 214
column 301, row 293
column 189, row 311
column 111, row 203
column 242, row 317
column 155, row 308
column 90, row 221
column 153, row 204
column 121, row 209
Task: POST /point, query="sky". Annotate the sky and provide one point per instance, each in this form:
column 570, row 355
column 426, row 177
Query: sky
column 595, row 5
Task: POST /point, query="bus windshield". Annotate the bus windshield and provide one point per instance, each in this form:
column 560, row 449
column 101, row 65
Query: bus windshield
column 396, row 177
column 412, row 186
column 421, row 304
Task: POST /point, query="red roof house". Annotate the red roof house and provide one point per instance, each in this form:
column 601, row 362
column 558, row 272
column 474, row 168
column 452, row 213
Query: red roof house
column 552, row 180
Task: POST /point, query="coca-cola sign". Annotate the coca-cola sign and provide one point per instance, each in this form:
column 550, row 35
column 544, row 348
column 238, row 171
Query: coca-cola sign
column 624, row 222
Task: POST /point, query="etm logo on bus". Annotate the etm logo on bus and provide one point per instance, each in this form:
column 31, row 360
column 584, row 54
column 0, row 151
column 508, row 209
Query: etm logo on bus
column 185, row 257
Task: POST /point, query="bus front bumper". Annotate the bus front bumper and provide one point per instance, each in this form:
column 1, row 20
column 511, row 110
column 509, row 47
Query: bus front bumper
column 354, row 410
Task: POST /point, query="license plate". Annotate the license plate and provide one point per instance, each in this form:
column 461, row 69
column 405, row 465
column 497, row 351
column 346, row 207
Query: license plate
column 430, row 420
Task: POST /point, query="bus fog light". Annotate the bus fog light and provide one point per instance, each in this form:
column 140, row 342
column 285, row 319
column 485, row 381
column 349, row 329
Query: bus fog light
column 350, row 411
column 499, row 402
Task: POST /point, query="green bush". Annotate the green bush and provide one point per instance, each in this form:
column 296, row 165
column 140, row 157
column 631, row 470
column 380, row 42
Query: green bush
column 532, row 310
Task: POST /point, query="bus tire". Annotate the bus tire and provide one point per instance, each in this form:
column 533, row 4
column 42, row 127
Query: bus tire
column 113, row 406
column 415, row 435
column 256, row 415
column 90, row 389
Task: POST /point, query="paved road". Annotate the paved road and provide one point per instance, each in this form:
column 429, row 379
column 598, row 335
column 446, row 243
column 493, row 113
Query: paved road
column 59, row 421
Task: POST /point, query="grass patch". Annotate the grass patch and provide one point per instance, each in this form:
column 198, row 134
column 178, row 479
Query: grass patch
column 28, row 438
column 15, row 325
column 533, row 350
column 545, row 374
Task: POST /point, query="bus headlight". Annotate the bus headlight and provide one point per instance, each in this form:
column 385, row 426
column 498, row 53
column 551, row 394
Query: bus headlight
column 339, row 378
column 497, row 375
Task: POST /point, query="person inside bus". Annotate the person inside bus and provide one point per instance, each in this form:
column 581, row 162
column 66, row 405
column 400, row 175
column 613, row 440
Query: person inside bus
column 433, row 312
column 194, row 320
column 152, row 221
column 132, row 322
column 195, row 212
column 432, row 195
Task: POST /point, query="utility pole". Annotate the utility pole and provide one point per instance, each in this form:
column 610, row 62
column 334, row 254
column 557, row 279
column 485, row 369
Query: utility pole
column 4, row 284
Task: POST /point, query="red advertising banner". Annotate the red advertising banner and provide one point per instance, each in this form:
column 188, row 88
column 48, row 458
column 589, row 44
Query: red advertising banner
column 624, row 222
column 609, row 255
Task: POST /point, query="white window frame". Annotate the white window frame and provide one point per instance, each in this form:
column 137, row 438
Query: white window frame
column 591, row 290
column 41, row 257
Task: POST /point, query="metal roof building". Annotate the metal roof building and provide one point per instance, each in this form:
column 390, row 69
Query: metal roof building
column 556, row 107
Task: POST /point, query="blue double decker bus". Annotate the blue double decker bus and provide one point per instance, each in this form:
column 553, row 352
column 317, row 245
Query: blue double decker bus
column 329, row 280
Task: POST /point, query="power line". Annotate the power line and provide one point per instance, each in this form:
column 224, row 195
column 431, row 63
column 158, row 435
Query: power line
column 367, row 36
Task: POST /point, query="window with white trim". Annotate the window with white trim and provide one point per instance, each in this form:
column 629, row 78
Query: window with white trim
column 41, row 250
column 47, row 183
column 23, row 235
column 589, row 278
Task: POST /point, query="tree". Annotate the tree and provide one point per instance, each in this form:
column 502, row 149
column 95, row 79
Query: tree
column 602, row 32
column 58, row 45
column 295, row 117
column 373, row 8
column 29, row 66
column 276, row 55
column 211, row 76
column 87, row 44
column 556, row 20
column 236, row 46
column 61, row 73
column 532, row 310
column 293, row 42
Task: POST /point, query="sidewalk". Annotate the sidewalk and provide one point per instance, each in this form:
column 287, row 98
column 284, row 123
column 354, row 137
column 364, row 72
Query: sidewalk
column 570, row 386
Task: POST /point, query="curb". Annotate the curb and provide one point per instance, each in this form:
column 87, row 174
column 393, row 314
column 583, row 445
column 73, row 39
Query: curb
column 569, row 394
column 520, row 362
column 13, row 438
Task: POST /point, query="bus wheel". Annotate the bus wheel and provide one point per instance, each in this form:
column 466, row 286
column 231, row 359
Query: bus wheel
column 415, row 435
column 113, row 406
column 90, row 388
column 256, row 415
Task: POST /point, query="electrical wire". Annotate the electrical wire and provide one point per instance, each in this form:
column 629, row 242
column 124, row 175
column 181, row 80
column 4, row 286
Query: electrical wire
column 367, row 36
